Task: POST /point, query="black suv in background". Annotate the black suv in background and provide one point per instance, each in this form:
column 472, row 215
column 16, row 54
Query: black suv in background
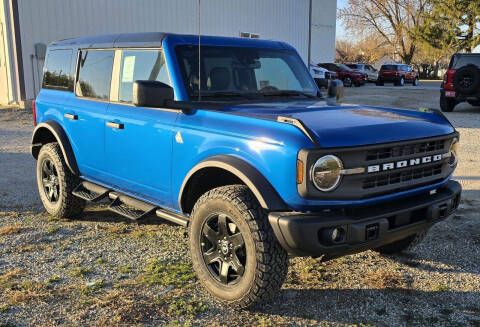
column 461, row 82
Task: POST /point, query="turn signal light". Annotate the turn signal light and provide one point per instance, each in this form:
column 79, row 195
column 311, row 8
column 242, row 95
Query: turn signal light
column 299, row 171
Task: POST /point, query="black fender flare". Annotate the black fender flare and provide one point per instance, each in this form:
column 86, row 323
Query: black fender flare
column 263, row 191
column 62, row 139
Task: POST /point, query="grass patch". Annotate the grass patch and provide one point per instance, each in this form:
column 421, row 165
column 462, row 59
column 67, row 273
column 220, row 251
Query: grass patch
column 52, row 229
column 10, row 229
column 7, row 278
column 92, row 287
column 125, row 269
column 381, row 279
column 176, row 274
column 27, row 291
column 53, row 279
column 183, row 307
column 80, row 271
column 442, row 288
column 4, row 308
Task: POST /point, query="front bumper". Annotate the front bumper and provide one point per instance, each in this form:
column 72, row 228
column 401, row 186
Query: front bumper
column 309, row 234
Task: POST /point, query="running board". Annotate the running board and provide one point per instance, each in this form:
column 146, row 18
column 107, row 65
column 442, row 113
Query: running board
column 129, row 207
column 90, row 192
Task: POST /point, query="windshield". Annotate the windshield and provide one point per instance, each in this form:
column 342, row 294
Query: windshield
column 343, row 67
column 243, row 72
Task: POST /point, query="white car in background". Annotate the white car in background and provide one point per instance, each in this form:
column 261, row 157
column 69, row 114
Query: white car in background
column 321, row 75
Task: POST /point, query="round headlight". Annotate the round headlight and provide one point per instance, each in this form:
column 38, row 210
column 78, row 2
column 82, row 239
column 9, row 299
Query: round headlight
column 325, row 173
column 452, row 161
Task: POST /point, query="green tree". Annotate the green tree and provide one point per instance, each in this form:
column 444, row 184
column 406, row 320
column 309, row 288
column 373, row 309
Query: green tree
column 450, row 25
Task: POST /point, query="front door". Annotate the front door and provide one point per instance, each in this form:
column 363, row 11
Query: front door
column 138, row 141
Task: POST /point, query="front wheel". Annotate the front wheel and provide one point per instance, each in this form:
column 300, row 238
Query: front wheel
column 415, row 82
column 347, row 82
column 403, row 245
column 401, row 82
column 234, row 250
column 56, row 182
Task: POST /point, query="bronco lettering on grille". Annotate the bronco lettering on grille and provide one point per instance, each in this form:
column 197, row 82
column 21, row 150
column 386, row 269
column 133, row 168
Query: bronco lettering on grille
column 404, row 163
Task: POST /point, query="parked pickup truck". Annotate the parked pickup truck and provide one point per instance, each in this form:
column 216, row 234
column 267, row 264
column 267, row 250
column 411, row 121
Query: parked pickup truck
column 241, row 149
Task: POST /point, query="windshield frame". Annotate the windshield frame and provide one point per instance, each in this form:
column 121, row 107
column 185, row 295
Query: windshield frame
column 192, row 94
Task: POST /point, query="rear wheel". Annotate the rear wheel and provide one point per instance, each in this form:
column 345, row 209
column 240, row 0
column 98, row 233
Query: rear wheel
column 403, row 245
column 56, row 182
column 234, row 250
column 447, row 104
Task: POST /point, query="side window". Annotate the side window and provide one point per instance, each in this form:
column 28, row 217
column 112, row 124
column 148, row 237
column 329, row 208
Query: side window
column 58, row 72
column 140, row 65
column 95, row 74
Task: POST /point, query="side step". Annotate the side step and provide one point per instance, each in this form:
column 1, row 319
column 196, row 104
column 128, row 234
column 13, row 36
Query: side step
column 90, row 192
column 129, row 207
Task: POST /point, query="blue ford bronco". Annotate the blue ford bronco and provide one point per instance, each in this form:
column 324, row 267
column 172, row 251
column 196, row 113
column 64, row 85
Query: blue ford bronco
column 242, row 149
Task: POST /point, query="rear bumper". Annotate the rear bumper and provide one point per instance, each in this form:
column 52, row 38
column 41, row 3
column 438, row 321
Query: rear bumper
column 309, row 234
column 461, row 97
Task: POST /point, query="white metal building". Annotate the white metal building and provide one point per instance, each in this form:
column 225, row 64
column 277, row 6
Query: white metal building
column 26, row 25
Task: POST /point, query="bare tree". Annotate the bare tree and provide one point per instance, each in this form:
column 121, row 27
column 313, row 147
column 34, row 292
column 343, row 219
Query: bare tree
column 392, row 20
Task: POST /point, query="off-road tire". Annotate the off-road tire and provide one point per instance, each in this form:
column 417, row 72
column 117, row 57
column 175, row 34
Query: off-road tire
column 266, row 261
column 446, row 104
column 415, row 82
column 403, row 245
column 67, row 205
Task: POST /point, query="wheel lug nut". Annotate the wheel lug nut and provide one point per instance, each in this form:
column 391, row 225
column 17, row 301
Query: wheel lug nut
column 218, row 241
column 225, row 258
column 219, row 251
column 225, row 238
column 231, row 245
column 231, row 255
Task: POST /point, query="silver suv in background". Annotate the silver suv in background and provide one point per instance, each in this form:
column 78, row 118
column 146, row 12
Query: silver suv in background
column 368, row 69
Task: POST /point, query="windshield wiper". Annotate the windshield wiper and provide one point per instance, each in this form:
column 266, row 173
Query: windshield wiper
column 288, row 93
column 227, row 94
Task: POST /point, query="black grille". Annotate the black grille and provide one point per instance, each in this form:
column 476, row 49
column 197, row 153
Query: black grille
column 405, row 150
column 404, row 176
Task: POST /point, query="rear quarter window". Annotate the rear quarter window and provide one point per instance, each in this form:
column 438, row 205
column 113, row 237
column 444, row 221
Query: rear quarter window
column 58, row 71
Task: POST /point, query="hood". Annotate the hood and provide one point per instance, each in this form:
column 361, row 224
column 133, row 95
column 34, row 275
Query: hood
column 351, row 125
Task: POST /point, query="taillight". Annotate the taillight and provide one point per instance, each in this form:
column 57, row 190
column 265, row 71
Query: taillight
column 449, row 75
column 34, row 112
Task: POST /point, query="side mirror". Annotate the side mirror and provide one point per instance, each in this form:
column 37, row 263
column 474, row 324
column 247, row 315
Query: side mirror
column 151, row 94
column 335, row 92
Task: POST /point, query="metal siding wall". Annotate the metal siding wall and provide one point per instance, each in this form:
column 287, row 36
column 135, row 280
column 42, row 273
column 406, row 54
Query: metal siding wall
column 323, row 30
column 48, row 20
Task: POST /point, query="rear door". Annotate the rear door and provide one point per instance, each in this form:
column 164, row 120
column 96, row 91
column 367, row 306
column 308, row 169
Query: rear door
column 138, row 140
column 85, row 111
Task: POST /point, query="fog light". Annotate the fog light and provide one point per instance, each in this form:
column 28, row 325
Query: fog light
column 333, row 235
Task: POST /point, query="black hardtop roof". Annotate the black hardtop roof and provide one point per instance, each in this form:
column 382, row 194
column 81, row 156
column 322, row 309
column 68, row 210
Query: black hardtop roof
column 145, row 39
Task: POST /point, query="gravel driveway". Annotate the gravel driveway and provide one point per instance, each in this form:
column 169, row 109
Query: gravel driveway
column 102, row 270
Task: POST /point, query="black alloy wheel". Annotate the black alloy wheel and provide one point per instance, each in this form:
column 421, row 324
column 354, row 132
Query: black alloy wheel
column 347, row 81
column 223, row 249
column 50, row 182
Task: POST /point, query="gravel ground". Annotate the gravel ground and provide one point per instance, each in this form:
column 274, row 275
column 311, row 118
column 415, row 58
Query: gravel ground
column 102, row 270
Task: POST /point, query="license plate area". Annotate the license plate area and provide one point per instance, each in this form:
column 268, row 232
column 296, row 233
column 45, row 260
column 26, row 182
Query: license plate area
column 371, row 232
column 450, row 94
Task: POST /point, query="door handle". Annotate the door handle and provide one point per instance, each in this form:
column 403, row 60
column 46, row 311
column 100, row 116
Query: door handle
column 71, row 116
column 114, row 125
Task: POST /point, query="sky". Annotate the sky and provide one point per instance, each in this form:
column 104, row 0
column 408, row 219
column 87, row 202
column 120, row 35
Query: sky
column 340, row 29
